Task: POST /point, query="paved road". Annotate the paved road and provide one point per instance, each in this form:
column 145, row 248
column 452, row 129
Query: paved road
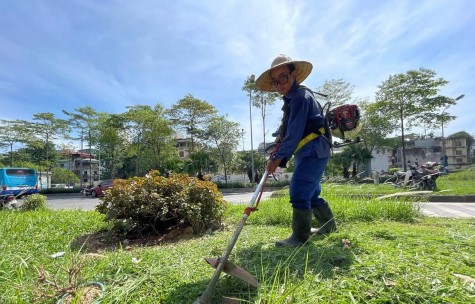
column 452, row 210
column 76, row 201
column 439, row 209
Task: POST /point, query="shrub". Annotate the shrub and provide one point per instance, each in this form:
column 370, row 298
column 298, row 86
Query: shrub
column 153, row 204
column 34, row 202
column 394, row 170
column 60, row 190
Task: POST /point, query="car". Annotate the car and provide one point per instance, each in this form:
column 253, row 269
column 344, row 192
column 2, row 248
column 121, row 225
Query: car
column 101, row 188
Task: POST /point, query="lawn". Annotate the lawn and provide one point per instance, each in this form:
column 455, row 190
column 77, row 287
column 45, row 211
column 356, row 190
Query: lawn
column 457, row 183
column 384, row 252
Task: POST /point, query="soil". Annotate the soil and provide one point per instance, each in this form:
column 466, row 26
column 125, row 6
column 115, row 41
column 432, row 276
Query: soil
column 88, row 295
column 106, row 240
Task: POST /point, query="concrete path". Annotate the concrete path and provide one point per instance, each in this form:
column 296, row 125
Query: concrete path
column 243, row 198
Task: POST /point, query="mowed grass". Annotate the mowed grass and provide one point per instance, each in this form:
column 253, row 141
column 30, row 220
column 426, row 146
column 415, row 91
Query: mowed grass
column 456, row 183
column 384, row 252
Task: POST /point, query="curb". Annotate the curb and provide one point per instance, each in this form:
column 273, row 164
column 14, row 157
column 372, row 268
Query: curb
column 452, row 198
column 428, row 197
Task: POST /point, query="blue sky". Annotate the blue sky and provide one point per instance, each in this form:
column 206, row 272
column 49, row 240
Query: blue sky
column 57, row 55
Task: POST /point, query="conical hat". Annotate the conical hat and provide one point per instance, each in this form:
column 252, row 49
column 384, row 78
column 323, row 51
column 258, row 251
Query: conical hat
column 302, row 70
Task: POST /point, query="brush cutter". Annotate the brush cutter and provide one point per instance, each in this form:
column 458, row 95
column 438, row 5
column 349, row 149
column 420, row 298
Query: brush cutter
column 222, row 264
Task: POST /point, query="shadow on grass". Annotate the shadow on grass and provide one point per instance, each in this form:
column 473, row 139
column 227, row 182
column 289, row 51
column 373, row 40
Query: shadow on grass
column 276, row 268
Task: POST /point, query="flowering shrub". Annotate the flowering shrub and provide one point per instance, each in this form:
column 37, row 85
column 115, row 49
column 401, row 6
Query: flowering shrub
column 153, row 204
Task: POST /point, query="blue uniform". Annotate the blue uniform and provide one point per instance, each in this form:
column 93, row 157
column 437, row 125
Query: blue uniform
column 312, row 158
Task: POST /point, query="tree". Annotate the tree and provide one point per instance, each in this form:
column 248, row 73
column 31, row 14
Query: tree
column 152, row 140
column 63, row 176
column 404, row 98
column 243, row 164
column 85, row 118
column 341, row 161
column 376, row 126
column 112, row 142
column 14, row 131
column 35, row 152
column 200, row 161
column 159, row 140
column 261, row 100
column 338, row 92
column 222, row 136
column 359, row 155
column 190, row 114
column 48, row 127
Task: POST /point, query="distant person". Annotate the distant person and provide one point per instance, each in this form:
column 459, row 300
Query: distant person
column 301, row 114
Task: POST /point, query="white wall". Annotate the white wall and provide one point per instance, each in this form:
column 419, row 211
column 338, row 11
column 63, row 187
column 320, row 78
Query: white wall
column 379, row 162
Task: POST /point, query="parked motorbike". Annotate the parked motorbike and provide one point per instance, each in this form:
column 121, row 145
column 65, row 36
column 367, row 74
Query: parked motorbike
column 423, row 179
column 86, row 190
column 431, row 170
column 8, row 202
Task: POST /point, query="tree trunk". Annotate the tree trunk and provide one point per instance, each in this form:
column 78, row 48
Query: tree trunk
column 403, row 141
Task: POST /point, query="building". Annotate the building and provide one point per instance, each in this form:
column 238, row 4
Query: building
column 458, row 151
column 85, row 166
column 421, row 151
column 184, row 145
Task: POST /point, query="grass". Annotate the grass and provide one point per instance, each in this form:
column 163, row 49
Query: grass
column 384, row 252
column 457, row 183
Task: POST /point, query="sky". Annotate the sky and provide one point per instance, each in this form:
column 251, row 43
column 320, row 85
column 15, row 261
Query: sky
column 62, row 55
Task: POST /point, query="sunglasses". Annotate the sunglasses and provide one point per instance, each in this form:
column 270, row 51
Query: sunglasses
column 281, row 80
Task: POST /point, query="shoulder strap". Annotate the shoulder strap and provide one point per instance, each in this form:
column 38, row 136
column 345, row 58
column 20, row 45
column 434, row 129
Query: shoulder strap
column 320, row 108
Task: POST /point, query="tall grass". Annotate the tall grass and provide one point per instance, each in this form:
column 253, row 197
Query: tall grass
column 277, row 211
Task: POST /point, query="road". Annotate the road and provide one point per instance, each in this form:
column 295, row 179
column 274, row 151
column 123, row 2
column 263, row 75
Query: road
column 452, row 210
column 439, row 209
column 76, row 201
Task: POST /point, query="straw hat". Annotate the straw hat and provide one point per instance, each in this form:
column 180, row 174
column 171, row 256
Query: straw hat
column 302, row 70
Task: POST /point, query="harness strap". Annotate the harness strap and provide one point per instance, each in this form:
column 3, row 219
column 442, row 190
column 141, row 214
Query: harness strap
column 309, row 138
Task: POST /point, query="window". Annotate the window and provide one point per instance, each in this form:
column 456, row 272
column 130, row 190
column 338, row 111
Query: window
column 458, row 152
column 459, row 160
column 458, row 143
column 20, row 172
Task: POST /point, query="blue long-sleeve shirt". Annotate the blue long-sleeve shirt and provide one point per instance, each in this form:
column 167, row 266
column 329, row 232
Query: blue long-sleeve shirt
column 302, row 108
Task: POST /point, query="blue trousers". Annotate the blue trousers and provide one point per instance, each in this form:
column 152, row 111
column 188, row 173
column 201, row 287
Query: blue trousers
column 305, row 187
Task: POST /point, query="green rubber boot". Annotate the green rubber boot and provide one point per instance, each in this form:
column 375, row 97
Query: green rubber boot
column 324, row 216
column 301, row 223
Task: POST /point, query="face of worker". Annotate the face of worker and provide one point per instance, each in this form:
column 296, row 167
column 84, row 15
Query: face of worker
column 282, row 79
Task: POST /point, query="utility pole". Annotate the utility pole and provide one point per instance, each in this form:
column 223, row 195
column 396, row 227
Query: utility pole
column 252, row 79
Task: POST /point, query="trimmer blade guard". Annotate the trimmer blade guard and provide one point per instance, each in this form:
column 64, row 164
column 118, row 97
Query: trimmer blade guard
column 234, row 270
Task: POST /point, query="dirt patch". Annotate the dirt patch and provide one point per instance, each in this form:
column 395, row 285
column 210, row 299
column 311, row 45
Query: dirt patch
column 107, row 240
column 84, row 295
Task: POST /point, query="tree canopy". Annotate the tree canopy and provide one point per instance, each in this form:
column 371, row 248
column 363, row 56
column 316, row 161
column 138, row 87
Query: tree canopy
column 404, row 98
